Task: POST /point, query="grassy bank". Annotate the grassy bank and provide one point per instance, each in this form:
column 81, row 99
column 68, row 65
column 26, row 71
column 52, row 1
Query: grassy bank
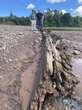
column 64, row 28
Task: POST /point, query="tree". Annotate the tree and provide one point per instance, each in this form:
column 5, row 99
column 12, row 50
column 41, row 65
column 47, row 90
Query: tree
column 48, row 19
column 52, row 18
column 76, row 21
column 57, row 18
column 67, row 20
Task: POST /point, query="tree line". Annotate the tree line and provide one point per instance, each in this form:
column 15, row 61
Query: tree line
column 58, row 19
column 52, row 18
column 15, row 20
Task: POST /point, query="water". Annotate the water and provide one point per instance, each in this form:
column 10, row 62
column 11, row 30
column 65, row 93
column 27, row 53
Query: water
column 77, row 69
column 70, row 103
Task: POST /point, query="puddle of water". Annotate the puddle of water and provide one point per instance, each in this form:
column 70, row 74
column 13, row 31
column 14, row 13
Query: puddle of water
column 77, row 69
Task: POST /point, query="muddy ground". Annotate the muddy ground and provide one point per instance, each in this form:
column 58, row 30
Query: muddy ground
column 20, row 50
column 19, row 54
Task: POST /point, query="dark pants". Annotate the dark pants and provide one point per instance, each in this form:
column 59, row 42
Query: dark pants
column 39, row 24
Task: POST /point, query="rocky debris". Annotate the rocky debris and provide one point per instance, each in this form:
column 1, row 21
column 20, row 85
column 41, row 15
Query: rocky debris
column 17, row 54
column 72, row 39
column 57, row 78
column 61, row 103
column 72, row 104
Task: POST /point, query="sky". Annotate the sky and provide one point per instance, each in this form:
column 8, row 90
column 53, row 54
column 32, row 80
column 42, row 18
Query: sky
column 24, row 7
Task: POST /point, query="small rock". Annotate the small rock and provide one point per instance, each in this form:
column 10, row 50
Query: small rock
column 76, row 52
column 10, row 60
column 18, row 66
column 20, row 33
column 6, row 105
column 4, row 47
column 36, row 41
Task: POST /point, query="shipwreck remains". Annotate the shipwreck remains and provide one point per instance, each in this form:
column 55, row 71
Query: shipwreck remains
column 57, row 79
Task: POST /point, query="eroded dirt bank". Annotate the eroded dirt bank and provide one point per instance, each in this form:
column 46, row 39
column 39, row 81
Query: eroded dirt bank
column 58, row 85
column 22, row 63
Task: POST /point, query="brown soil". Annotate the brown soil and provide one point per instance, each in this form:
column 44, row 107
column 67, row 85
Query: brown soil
column 19, row 62
column 19, row 56
column 73, row 40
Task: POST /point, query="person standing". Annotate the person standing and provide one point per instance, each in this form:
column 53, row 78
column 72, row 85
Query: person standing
column 33, row 20
column 40, row 19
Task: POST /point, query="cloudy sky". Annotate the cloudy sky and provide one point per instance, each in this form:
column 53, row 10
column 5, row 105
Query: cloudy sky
column 24, row 7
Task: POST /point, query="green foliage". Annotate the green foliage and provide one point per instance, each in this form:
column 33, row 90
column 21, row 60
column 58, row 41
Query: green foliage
column 59, row 19
column 76, row 21
column 14, row 20
column 67, row 20
column 51, row 19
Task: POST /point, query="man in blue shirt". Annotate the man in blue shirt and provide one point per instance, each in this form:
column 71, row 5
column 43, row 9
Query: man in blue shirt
column 40, row 18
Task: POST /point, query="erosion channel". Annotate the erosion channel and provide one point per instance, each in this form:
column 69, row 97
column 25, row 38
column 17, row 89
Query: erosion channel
column 58, row 82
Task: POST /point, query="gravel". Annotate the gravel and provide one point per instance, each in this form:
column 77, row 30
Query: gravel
column 18, row 48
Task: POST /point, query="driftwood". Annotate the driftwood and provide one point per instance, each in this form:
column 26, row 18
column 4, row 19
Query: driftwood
column 58, row 78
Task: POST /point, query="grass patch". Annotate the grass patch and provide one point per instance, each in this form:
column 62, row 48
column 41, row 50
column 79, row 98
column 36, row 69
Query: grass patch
column 64, row 28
